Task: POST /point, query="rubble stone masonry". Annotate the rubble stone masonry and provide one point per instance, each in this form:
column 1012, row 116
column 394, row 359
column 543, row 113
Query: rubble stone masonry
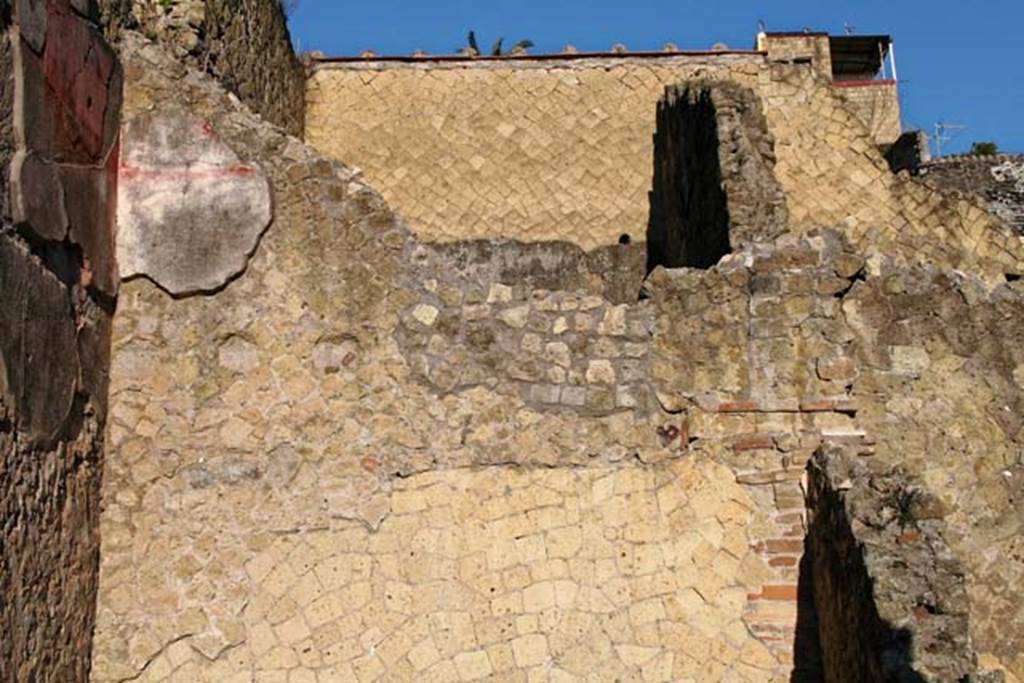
column 370, row 455
column 638, row 367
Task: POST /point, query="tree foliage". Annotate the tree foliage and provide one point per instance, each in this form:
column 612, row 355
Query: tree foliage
column 984, row 148
column 497, row 47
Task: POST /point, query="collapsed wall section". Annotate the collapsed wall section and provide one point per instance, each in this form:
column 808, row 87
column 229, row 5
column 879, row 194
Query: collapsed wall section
column 60, row 107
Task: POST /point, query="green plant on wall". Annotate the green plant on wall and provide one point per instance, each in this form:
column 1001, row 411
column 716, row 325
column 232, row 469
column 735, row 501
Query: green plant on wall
column 903, row 502
column 496, row 49
column 984, row 148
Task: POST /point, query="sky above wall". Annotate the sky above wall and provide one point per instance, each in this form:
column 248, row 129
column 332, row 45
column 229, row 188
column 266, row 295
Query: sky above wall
column 958, row 62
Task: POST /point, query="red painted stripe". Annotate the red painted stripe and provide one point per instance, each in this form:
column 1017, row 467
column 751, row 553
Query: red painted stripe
column 184, row 173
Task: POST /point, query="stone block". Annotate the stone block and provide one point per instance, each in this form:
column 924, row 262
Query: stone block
column 39, row 379
column 37, row 196
column 82, row 93
column 32, row 22
column 89, row 195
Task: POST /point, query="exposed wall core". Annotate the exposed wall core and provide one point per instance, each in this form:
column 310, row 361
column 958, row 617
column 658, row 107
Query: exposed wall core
column 689, row 224
column 714, row 179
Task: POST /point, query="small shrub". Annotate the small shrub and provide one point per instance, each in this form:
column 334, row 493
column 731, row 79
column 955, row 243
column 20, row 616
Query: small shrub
column 986, row 148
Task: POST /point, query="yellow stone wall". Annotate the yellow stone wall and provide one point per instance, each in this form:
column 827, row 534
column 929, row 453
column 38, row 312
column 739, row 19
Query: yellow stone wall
column 285, row 499
column 877, row 105
column 781, row 47
column 553, row 574
column 542, row 150
column 562, row 150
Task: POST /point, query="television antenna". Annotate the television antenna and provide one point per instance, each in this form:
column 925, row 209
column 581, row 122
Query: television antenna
column 849, row 29
column 945, row 132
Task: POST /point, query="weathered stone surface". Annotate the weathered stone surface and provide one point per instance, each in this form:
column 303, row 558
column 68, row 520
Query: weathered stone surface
column 8, row 144
column 54, row 340
column 39, row 376
column 244, row 45
column 89, row 196
column 81, row 75
column 891, row 598
column 189, row 211
column 38, row 197
column 998, row 180
column 32, row 20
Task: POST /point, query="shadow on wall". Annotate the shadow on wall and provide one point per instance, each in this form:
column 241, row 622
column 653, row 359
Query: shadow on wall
column 806, row 645
column 810, row 652
column 889, row 597
column 849, row 640
column 688, row 224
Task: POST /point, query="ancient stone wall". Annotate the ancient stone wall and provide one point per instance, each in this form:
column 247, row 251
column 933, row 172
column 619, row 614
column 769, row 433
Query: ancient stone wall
column 809, row 47
column 916, row 367
column 876, row 104
column 940, row 391
column 555, row 149
column 891, row 597
column 60, row 103
column 713, row 184
column 561, row 149
column 362, row 453
column 245, row 44
column 998, row 180
column 367, row 456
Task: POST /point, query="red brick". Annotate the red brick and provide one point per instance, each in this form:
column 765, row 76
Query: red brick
column 781, row 592
column 770, row 477
column 790, row 518
column 739, row 407
column 783, row 561
column 783, row 546
column 752, row 442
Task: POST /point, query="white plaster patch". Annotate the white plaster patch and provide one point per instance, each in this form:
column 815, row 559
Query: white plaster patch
column 189, row 211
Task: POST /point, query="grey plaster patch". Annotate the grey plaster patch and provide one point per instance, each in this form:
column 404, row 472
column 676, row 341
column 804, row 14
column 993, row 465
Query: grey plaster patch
column 189, row 211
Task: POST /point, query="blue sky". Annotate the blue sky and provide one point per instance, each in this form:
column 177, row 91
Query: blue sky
column 959, row 62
